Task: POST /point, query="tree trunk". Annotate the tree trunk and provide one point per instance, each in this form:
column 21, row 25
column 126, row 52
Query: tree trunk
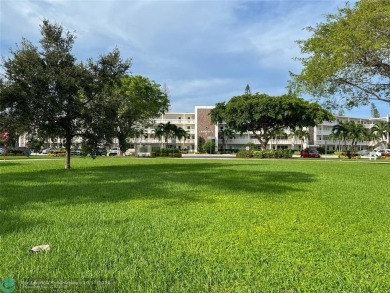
column 68, row 145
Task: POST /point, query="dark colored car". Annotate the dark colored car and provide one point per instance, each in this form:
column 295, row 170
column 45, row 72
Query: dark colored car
column 310, row 154
column 76, row 152
column 98, row 152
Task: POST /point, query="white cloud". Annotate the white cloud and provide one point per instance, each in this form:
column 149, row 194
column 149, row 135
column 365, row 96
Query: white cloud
column 205, row 51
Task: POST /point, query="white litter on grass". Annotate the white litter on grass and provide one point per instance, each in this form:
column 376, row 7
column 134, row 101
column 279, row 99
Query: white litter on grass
column 40, row 248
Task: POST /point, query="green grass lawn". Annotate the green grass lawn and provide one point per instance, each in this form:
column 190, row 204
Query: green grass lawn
column 176, row 225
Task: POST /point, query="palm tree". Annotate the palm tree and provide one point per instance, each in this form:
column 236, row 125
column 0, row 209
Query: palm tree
column 356, row 132
column 382, row 128
column 225, row 134
column 181, row 134
column 159, row 133
column 340, row 131
column 169, row 131
column 300, row 134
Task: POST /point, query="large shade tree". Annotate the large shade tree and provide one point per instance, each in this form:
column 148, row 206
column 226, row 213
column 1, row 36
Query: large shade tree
column 264, row 115
column 346, row 59
column 139, row 99
column 47, row 92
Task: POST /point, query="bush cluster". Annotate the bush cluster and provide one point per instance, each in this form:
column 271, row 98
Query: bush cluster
column 173, row 153
column 14, row 152
column 57, row 152
column 347, row 155
column 351, row 155
column 266, row 154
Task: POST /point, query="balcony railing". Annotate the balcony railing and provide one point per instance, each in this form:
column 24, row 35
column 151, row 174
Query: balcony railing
column 175, row 121
column 157, row 141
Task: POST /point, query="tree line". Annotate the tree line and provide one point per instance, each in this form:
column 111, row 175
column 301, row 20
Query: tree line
column 351, row 132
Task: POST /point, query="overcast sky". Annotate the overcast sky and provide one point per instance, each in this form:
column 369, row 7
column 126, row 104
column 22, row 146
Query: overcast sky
column 204, row 51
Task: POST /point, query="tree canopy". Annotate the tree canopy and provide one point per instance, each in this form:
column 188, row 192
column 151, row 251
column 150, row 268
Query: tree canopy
column 45, row 91
column 138, row 99
column 264, row 115
column 346, row 59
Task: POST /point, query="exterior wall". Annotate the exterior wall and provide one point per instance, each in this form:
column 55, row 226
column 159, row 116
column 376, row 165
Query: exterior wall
column 204, row 128
column 183, row 120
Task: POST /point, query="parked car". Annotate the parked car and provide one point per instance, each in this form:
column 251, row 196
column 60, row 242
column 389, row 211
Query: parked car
column 310, row 154
column 382, row 152
column 76, row 152
column 114, row 151
column 99, row 152
column 1, row 151
column 363, row 153
column 45, row 151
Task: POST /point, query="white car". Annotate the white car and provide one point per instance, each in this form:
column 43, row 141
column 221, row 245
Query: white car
column 113, row 151
column 382, row 152
column 363, row 153
column 1, row 151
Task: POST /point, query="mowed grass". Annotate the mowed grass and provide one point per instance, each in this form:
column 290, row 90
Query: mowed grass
column 176, row 225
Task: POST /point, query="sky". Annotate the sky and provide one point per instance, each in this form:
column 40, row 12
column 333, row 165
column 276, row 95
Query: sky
column 205, row 52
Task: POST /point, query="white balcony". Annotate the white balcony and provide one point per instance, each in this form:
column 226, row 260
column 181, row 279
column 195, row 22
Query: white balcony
column 175, row 121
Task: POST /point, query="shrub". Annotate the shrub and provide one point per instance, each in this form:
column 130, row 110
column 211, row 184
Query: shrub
column 244, row 154
column 14, row 152
column 172, row 153
column 209, row 147
column 57, row 153
column 266, row 154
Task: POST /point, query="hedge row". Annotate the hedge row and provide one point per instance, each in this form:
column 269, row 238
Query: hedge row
column 173, row 153
column 350, row 155
column 266, row 154
column 14, row 152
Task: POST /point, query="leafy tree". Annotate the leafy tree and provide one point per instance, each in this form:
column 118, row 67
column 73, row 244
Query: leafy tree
column 201, row 142
column 217, row 113
column 46, row 91
column 264, row 115
column 347, row 57
column 139, row 100
column 374, row 111
column 209, row 146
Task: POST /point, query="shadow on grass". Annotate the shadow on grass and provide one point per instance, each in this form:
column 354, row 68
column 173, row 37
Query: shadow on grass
column 171, row 180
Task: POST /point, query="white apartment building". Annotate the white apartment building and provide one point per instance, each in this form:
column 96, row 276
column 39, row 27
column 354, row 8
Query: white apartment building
column 199, row 125
column 321, row 134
